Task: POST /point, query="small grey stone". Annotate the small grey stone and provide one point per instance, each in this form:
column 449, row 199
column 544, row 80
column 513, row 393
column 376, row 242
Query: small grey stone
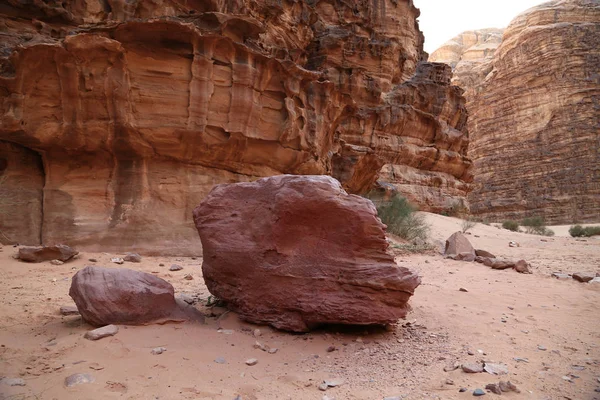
column 478, row 392
column 392, row 398
column 56, row 262
column 175, row 267
column 78, row 379
column 595, row 281
column 463, row 290
column 273, row 350
column 188, row 277
column 220, row 360
column 542, row 348
column 187, row 298
column 471, row 352
column 117, row 260
column 69, row 310
column 105, row 331
column 251, row 361
column 334, row 382
column 449, row 382
column 158, row 350
column 462, row 390
column 323, row 387
column 257, row 333
column 92, row 260
column 472, row 368
column 133, row 257
column 560, row 276
column 13, row 381
column 519, row 359
column 161, row 265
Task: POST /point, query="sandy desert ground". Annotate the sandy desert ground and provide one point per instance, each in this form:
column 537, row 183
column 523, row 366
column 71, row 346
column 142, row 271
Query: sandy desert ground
column 546, row 331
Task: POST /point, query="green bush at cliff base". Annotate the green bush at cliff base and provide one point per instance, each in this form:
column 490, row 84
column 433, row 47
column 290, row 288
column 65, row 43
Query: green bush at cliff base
column 511, row 225
column 536, row 226
column 401, row 218
column 588, row 231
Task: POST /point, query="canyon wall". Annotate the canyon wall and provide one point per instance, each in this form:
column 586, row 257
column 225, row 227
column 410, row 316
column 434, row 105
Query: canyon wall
column 534, row 113
column 130, row 112
column 470, row 55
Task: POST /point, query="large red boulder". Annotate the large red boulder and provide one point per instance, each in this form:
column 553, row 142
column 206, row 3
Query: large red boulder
column 121, row 296
column 297, row 252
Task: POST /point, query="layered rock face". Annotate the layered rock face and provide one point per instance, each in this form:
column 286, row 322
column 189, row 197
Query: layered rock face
column 296, row 252
column 470, row 55
column 534, row 123
column 132, row 111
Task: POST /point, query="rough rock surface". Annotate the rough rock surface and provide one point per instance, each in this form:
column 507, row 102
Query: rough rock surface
column 130, row 112
column 458, row 247
column 470, row 55
column 296, row 252
column 121, row 296
column 39, row 254
column 534, row 124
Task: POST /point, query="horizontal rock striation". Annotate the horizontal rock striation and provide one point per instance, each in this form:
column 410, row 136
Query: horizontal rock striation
column 534, row 121
column 135, row 110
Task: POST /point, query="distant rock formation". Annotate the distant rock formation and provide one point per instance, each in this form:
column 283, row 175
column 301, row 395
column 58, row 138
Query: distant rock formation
column 297, row 252
column 130, row 112
column 470, row 55
column 534, row 117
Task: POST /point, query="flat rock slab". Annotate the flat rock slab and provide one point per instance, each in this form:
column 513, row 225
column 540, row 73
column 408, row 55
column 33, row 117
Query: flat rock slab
column 38, row 254
column 99, row 333
column 122, row 296
column 12, row 381
column 296, row 252
column 584, row 276
column 484, row 253
column 495, row 369
column 78, row 379
column 69, row 310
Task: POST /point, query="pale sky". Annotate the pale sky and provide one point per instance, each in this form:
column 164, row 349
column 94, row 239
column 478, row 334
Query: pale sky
column 441, row 20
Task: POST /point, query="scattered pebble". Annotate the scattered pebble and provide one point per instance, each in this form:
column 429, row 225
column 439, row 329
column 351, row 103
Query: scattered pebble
column 449, row 382
column 105, row 331
column 451, row 367
column 567, row 378
column 331, row 349
column 471, row 353
column 519, row 359
column 561, row 276
column 273, row 350
column 190, row 300
column 117, row 260
column 257, row 333
column 479, row 392
column 56, row 262
column 220, row 360
column 542, row 348
column 69, row 310
column 175, row 267
column 188, row 277
column 161, row 265
column 78, row 379
column 323, row 387
column 462, row 390
column 494, row 388
column 251, row 361
column 463, row 290
column 96, row 367
column 92, row 260
column 508, row 387
column 158, row 350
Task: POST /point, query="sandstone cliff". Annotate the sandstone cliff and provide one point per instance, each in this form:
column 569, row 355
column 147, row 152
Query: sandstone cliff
column 470, row 55
column 535, row 123
column 127, row 113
